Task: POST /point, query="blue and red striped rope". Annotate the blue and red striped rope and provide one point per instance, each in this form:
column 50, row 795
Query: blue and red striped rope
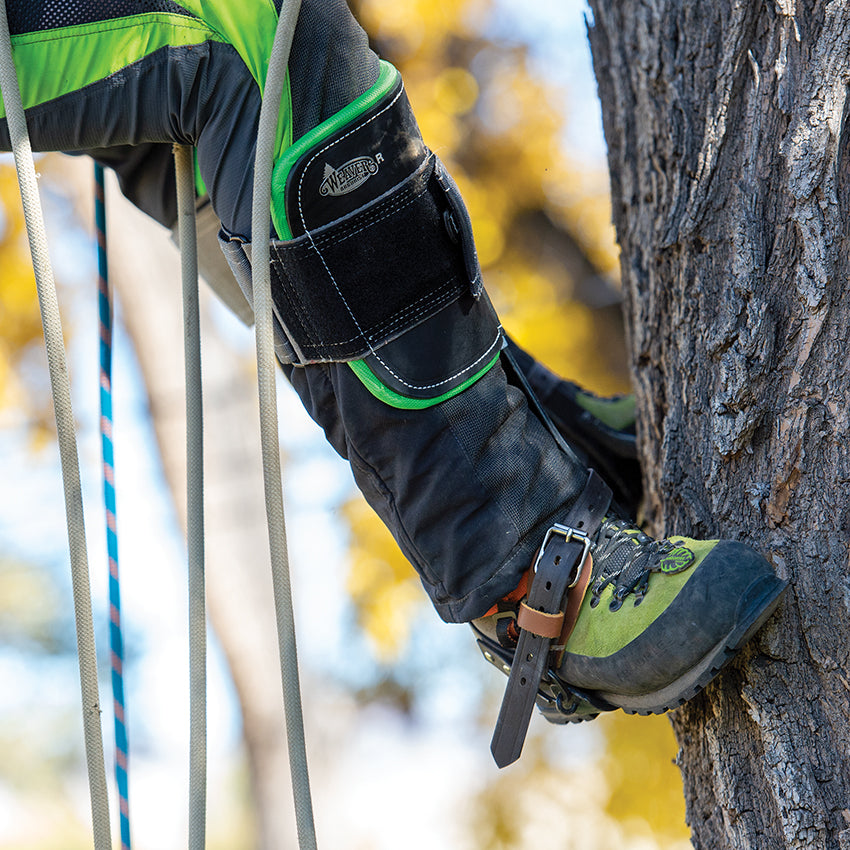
column 116, row 640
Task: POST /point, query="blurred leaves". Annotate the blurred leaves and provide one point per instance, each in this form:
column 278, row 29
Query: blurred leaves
column 30, row 616
column 629, row 796
column 383, row 587
column 542, row 229
column 543, row 232
column 23, row 382
column 498, row 127
column 644, row 784
column 546, row 246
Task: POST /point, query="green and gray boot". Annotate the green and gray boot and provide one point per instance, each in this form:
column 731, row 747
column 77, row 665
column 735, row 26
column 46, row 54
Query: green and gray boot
column 663, row 616
column 659, row 620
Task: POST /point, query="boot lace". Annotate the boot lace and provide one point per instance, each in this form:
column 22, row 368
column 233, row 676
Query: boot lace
column 628, row 557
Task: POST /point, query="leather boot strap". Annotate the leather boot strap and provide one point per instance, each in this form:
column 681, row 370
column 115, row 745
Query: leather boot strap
column 563, row 563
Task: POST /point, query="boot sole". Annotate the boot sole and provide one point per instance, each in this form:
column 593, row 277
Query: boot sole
column 756, row 606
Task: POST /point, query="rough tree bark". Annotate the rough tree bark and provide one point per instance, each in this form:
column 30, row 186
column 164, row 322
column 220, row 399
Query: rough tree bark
column 728, row 126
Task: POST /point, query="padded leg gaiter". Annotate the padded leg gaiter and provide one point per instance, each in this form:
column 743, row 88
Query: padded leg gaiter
column 468, row 487
column 394, row 349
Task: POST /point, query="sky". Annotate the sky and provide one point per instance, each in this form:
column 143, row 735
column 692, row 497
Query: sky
column 555, row 32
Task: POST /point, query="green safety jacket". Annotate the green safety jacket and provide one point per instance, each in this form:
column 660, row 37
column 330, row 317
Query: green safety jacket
column 103, row 77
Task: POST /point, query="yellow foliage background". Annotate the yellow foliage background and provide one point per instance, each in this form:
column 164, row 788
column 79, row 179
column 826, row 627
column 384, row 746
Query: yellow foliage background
column 499, row 136
column 20, row 325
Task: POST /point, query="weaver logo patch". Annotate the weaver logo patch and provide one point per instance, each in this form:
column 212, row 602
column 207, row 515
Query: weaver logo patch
column 677, row 560
column 348, row 177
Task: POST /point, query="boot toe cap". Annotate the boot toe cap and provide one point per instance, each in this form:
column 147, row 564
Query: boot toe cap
column 722, row 601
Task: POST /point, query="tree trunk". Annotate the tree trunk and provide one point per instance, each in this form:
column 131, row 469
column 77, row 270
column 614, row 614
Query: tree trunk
column 145, row 271
column 729, row 150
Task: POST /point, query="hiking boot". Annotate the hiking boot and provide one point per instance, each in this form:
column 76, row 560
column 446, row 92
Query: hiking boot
column 658, row 622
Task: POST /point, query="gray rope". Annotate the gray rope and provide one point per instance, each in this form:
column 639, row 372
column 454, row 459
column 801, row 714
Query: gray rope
column 260, row 229
column 61, row 388
column 184, row 165
column 269, row 437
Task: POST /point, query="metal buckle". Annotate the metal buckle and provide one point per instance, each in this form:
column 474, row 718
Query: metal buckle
column 568, row 534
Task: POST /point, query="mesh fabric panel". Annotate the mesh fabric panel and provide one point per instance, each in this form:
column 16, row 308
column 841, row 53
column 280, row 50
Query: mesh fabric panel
column 37, row 15
column 507, row 444
column 331, row 63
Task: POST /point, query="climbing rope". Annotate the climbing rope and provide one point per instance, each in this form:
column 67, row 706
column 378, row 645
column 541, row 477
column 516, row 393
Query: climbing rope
column 69, row 458
column 116, row 638
column 184, row 165
column 261, row 286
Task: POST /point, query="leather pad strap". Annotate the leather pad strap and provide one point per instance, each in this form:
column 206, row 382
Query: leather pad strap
column 381, row 240
column 540, row 623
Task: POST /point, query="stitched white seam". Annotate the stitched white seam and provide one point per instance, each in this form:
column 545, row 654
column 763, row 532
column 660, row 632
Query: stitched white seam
column 304, row 222
column 437, row 298
column 390, row 324
column 336, row 142
column 367, row 222
column 446, row 380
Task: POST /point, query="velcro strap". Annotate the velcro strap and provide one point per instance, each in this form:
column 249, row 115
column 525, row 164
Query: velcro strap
column 345, row 289
column 539, row 622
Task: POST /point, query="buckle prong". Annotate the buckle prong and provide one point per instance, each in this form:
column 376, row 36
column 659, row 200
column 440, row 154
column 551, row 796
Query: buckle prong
column 568, row 534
